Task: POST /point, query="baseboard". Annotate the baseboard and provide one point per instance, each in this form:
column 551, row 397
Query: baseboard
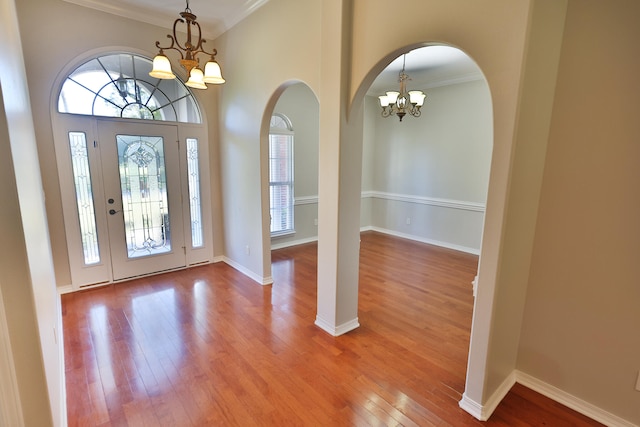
column 570, row 401
column 337, row 330
column 483, row 412
column 472, row 407
column 447, row 245
column 63, row 421
column 261, row 280
column 66, row 289
column 281, row 245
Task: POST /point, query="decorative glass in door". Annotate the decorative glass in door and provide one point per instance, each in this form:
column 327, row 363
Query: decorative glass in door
column 145, row 206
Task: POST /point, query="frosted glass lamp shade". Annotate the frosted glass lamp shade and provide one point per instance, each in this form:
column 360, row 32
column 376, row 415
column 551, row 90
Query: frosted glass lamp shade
column 392, row 97
column 162, row 68
column 384, row 100
column 212, row 73
column 196, row 79
column 417, row 97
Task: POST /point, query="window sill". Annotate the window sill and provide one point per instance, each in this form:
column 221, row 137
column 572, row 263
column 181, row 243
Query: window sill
column 283, row 233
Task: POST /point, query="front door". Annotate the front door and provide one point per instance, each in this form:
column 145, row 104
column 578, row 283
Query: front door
column 141, row 172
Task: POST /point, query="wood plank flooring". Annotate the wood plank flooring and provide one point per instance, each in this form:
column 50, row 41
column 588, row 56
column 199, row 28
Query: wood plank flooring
column 210, row 347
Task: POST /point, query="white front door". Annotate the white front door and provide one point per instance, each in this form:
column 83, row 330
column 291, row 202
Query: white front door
column 142, row 194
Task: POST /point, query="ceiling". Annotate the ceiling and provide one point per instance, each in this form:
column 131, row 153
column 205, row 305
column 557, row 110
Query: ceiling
column 214, row 16
column 427, row 67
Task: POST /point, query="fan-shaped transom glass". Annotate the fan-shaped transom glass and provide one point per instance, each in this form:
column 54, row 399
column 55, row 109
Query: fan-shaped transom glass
column 280, row 122
column 119, row 85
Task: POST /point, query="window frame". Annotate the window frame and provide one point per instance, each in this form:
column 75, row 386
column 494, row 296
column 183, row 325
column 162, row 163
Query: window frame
column 280, row 125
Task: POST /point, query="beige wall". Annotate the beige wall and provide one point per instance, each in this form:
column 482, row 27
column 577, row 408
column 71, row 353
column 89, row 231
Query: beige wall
column 580, row 330
column 275, row 46
column 580, row 285
column 17, row 295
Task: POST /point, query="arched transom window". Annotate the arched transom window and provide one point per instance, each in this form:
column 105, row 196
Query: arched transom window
column 119, row 85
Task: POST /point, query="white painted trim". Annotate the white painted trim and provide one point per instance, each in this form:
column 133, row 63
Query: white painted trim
column 63, row 375
column 570, row 401
column 469, row 77
column 11, row 408
column 216, row 259
column 305, row 200
column 281, row 245
column 337, row 330
column 430, row 201
column 210, row 31
column 261, row 280
column 483, row 412
column 472, row 407
column 447, row 245
column 65, row 289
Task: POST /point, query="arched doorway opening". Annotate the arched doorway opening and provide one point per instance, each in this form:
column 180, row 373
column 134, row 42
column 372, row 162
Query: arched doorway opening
column 290, row 192
column 489, row 235
column 425, row 178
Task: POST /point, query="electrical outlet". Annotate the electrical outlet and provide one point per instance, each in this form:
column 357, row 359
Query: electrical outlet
column 315, row 221
column 247, row 250
column 408, row 220
column 638, row 382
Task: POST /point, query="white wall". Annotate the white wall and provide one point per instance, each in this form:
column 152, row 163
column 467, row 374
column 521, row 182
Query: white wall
column 428, row 176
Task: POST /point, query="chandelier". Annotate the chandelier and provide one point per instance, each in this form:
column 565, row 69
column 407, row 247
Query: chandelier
column 403, row 102
column 188, row 53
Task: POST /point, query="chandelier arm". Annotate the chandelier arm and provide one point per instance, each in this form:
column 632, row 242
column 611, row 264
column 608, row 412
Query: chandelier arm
column 172, row 46
column 175, row 37
column 199, row 48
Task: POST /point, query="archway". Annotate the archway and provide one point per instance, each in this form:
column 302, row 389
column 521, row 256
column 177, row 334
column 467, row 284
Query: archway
column 491, row 235
column 432, row 171
column 296, row 103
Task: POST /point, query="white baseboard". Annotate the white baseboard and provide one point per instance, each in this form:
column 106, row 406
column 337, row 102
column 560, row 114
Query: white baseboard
column 447, row 245
column 472, row 407
column 281, row 245
column 483, row 412
column 261, row 280
column 337, row 330
column 66, row 289
column 570, row 401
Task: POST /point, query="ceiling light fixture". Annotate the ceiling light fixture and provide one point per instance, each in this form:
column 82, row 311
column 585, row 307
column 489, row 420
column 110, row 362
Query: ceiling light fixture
column 197, row 79
column 403, row 102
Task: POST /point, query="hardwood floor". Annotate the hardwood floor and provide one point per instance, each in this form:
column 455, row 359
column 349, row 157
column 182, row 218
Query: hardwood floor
column 208, row 346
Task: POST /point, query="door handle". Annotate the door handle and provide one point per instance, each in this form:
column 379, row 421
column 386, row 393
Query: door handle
column 113, row 211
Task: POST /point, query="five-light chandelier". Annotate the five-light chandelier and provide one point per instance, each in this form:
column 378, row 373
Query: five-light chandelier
column 403, row 102
column 197, row 78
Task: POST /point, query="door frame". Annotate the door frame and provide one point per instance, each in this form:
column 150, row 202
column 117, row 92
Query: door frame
column 122, row 265
column 84, row 276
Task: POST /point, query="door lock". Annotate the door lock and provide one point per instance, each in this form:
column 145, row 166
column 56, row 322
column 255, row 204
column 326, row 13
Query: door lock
column 113, row 211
